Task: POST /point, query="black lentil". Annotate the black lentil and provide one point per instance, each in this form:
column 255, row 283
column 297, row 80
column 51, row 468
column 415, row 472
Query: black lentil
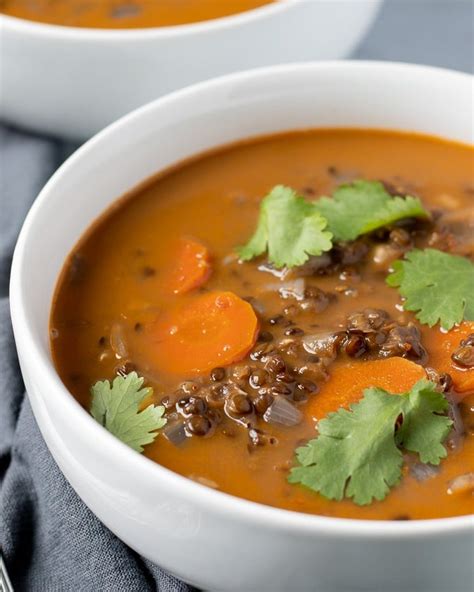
column 198, row 425
column 218, row 374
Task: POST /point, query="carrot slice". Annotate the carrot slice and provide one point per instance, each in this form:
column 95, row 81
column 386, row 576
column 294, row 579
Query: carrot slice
column 440, row 356
column 213, row 329
column 347, row 382
column 191, row 266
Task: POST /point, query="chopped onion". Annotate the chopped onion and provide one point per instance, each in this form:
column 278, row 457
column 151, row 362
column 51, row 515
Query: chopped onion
column 175, row 433
column 293, row 289
column 269, row 268
column 287, row 289
column 462, row 484
column 322, row 344
column 422, row 472
column 282, row 412
column 458, row 431
column 204, row 481
column 229, row 259
column 383, row 256
column 117, row 341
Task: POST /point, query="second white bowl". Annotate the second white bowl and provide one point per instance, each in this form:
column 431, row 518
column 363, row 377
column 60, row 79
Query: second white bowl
column 72, row 82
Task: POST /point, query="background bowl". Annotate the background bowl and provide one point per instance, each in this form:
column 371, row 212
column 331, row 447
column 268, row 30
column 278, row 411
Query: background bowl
column 73, row 82
column 211, row 539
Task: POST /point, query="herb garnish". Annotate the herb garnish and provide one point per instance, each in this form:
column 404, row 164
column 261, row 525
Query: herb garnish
column 357, row 452
column 363, row 206
column 292, row 228
column 117, row 408
column 435, row 285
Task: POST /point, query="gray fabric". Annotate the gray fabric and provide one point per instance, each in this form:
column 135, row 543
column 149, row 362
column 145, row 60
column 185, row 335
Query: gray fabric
column 433, row 32
column 50, row 540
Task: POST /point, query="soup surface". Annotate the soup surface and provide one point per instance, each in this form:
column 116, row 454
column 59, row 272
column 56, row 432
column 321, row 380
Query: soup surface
column 156, row 287
column 125, row 14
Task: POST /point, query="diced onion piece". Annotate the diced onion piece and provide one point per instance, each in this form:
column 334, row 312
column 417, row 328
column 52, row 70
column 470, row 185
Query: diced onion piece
column 293, row 289
column 204, row 481
column 422, row 472
column 175, row 433
column 457, row 433
column 282, row 412
column 322, row 344
column 383, row 256
column 269, row 268
column 287, row 289
column 117, row 341
column 230, row 259
column 462, row 484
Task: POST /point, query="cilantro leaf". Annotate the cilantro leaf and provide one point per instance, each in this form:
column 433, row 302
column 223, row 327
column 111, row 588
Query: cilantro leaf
column 357, row 452
column 345, row 450
column 437, row 286
column 116, row 407
column 423, row 430
column 290, row 228
column 363, row 206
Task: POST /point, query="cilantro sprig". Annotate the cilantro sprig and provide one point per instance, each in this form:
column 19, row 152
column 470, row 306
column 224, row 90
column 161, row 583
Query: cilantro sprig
column 364, row 206
column 437, row 286
column 357, row 453
column 291, row 228
column 116, row 406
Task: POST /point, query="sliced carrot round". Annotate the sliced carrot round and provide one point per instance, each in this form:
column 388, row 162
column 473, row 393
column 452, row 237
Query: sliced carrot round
column 347, row 383
column 191, row 266
column 442, row 349
column 213, row 329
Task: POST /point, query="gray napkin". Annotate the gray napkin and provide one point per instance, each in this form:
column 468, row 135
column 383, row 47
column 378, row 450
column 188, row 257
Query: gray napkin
column 50, row 540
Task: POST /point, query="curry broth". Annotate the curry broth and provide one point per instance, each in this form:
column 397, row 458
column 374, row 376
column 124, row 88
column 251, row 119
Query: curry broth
column 115, row 275
column 124, row 14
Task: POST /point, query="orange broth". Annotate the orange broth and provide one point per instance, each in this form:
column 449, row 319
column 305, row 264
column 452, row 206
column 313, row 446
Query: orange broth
column 117, row 276
column 125, row 14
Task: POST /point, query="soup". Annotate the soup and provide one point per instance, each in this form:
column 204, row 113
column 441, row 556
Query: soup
column 342, row 329
column 123, row 14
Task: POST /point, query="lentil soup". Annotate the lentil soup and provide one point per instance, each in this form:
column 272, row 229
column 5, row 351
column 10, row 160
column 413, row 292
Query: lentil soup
column 248, row 351
column 124, row 14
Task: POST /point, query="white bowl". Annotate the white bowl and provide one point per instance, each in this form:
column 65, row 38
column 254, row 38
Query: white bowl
column 72, row 82
column 212, row 539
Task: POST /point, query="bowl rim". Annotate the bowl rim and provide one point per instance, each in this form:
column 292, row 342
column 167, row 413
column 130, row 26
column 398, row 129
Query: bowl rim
column 51, row 30
column 221, row 503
